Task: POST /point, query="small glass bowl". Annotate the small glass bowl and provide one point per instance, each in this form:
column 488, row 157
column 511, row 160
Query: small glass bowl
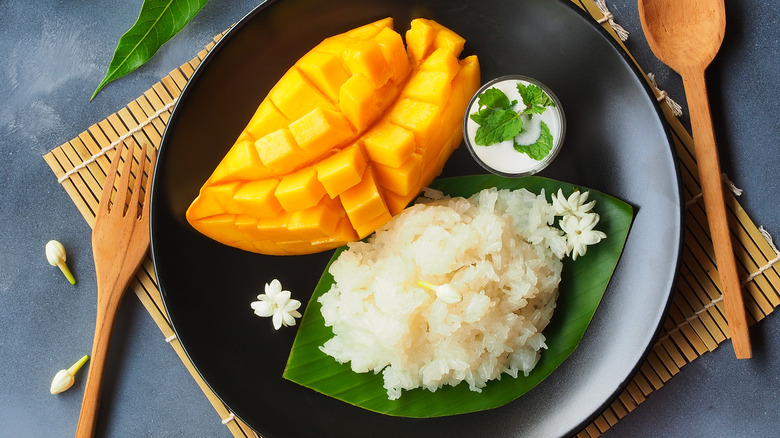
column 503, row 160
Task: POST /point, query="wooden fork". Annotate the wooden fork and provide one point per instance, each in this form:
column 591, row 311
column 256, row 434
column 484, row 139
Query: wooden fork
column 120, row 239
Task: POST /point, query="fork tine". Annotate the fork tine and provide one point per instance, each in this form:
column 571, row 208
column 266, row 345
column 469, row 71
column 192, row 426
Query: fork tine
column 124, row 178
column 148, row 185
column 108, row 184
column 132, row 207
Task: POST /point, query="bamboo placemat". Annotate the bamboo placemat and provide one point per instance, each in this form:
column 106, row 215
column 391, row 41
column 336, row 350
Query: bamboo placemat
column 696, row 322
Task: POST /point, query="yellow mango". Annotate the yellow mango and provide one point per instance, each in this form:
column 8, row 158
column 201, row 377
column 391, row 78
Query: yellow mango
column 403, row 179
column 279, row 151
column 343, row 234
column 422, row 118
column 419, row 39
column 441, row 60
column 358, row 101
column 389, row 144
column 342, row 170
column 274, row 228
column 393, row 50
column 429, row 86
column 242, row 162
column 370, row 30
column 295, row 96
column 364, row 201
column 315, row 222
column 299, row 190
column 256, row 198
column 325, row 71
column 220, row 227
column 365, row 57
column 266, row 120
column 359, row 117
column 366, row 228
column 320, row 130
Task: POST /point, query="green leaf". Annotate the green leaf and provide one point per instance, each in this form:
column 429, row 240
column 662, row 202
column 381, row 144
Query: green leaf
column 501, row 125
column 541, row 147
column 158, row 22
column 582, row 286
column 534, row 98
column 494, row 99
column 480, row 116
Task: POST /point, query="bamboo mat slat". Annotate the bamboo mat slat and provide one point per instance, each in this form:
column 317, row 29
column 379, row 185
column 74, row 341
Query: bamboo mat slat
column 696, row 320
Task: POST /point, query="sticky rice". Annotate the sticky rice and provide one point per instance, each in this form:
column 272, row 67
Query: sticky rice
column 497, row 249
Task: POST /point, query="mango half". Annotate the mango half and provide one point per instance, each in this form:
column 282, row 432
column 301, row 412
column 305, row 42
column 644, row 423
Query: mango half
column 345, row 140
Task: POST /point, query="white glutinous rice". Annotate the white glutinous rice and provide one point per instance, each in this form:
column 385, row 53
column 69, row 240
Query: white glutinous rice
column 498, row 250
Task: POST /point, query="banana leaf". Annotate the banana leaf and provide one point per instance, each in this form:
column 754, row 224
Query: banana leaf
column 582, row 286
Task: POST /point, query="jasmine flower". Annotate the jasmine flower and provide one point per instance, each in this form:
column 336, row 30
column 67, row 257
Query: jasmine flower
column 580, row 233
column 277, row 303
column 574, row 205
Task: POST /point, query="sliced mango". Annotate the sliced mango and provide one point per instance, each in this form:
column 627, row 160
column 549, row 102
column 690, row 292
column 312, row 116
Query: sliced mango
column 299, row 190
column 361, row 119
column 342, row 170
column 389, row 144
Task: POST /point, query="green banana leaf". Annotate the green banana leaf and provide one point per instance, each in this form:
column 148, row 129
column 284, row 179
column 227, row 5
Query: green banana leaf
column 582, row 285
column 158, row 22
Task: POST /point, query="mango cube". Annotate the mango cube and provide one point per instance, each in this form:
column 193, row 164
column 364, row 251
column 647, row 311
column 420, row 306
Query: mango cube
column 370, row 30
column 325, row 71
column 256, row 198
column 392, row 47
column 299, row 190
column 279, row 151
column 266, row 120
column 274, row 228
column 419, row 39
column 370, row 226
column 295, row 96
column 341, row 170
column 429, row 86
column 240, row 163
column 364, row 201
column 441, row 60
column 358, row 101
column 404, row 179
column 389, row 144
column 315, row 222
column 422, row 118
column 221, row 227
column 365, row 57
column 320, row 130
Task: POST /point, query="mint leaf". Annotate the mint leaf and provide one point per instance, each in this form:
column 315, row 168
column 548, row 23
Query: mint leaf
column 493, row 99
column 534, row 98
column 501, row 125
column 480, row 116
column 541, row 147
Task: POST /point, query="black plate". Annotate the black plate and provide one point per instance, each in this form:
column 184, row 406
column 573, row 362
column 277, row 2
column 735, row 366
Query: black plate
column 616, row 142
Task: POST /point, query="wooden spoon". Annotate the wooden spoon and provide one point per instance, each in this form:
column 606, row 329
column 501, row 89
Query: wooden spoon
column 686, row 36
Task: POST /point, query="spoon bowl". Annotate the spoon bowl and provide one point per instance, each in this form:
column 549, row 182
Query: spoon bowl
column 684, row 34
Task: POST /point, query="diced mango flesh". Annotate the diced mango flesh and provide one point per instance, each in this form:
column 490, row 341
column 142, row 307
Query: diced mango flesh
column 342, row 170
column 359, row 118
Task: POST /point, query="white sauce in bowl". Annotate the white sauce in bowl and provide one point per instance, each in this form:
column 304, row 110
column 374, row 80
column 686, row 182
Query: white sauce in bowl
column 502, row 158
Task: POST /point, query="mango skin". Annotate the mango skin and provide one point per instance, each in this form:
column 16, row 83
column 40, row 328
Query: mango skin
column 345, row 140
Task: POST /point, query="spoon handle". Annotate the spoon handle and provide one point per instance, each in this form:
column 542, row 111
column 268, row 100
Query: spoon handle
column 715, row 207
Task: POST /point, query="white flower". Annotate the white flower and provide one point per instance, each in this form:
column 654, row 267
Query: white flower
column 276, row 302
column 580, row 233
column 574, row 205
column 64, row 379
